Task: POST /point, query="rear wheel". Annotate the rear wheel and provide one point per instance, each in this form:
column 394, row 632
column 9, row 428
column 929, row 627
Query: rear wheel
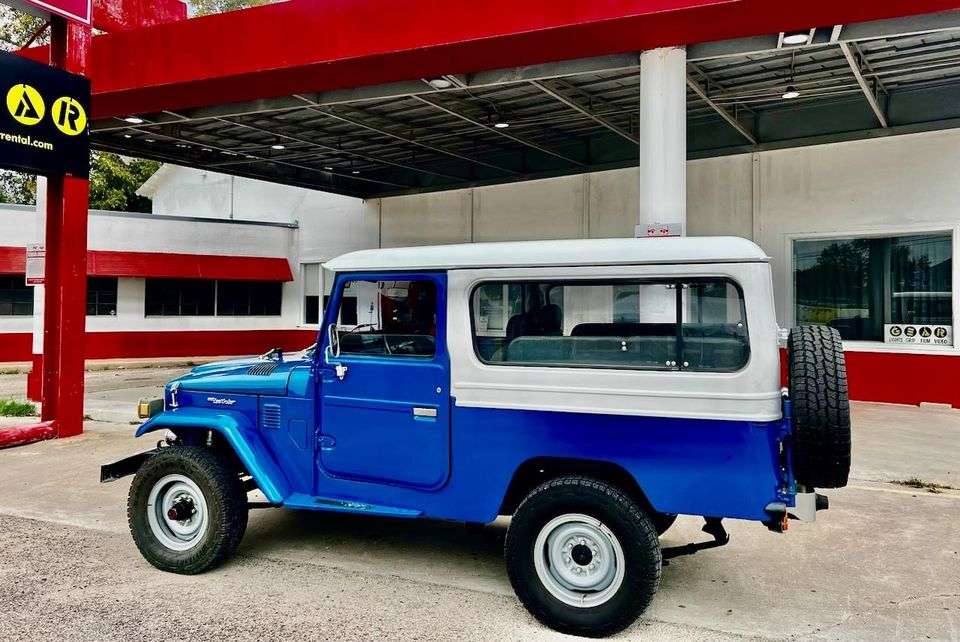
column 582, row 557
column 821, row 407
column 187, row 510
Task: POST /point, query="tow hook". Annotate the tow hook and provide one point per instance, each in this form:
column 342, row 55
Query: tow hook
column 779, row 520
column 713, row 526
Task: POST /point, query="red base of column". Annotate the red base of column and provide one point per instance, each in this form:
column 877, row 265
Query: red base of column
column 35, row 379
column 20, row 435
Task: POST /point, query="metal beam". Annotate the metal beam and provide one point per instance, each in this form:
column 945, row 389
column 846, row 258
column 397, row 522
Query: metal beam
column 493, row 130
column 864, row 85
column 722, row 111
column 858, row 31
column 407, row 139
column 341, row 151
column 550, row 91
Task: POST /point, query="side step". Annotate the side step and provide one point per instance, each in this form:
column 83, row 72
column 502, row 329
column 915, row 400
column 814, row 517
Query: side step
column 714, row 527
column 338, row 505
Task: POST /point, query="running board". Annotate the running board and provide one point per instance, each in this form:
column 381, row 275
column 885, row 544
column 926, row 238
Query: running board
column 309, row 502
column 713, row 527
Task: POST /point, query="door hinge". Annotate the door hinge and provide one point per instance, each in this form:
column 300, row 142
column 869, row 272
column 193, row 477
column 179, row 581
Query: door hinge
column 326, row 442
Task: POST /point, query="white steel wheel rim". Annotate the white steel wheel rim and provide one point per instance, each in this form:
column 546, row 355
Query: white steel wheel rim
column 177, row 492
column 579, row 560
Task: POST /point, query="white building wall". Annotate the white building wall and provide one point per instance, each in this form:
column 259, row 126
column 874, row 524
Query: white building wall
column 886, row 185
column 896, row 184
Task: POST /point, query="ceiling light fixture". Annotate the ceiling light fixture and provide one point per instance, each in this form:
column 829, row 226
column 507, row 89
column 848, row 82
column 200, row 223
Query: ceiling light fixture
column 278, row 146
column 133, row 120
column 440, row 83
column 795, row 38
column 501, row 124
column 356, row 171
column 150, row 140
column 127, row 136
column 791, row 93
column 328, row 168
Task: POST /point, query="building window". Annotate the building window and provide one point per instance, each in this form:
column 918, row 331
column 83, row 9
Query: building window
column 101, row 296
column 249, row 298
column 864, row 287
column 311, row 293
column 388, row 319
column 697, row 325
column 16, row 297
column 180, row 297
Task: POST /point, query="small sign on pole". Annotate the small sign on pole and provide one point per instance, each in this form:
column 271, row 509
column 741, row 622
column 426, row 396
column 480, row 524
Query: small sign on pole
column 653, row 230
column 36, row 260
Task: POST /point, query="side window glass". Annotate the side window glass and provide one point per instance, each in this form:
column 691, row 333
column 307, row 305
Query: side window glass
column 582, row 325
column 650, row 325
column 388, row 319
column 714, row 329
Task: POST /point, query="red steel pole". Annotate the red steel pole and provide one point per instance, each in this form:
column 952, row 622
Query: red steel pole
column 66, row 263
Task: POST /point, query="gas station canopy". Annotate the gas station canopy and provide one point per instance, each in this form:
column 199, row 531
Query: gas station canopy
column 452, row 130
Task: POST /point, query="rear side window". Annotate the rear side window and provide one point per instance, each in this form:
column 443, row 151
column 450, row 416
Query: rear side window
column 697, row 325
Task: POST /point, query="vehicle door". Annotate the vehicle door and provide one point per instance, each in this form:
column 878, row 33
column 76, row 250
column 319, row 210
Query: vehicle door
column 384, row 395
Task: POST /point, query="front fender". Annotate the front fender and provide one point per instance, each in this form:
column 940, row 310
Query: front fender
column 242, row 436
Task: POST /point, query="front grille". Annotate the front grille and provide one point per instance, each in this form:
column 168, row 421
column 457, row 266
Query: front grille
column 263, row 369
column 270, row 416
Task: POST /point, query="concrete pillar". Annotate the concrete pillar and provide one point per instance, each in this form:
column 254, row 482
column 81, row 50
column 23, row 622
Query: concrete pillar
column 663, row 142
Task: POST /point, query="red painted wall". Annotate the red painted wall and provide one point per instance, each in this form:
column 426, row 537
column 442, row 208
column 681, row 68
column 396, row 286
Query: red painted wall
column 892, row 377
column 189, row 343
column 874, row 376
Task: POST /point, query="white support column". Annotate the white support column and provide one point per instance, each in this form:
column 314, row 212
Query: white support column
column 663, row 141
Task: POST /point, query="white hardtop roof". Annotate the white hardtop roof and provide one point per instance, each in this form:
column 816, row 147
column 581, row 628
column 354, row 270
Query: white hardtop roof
column 567, row 253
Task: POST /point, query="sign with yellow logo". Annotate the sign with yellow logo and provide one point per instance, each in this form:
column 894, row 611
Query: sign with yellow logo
column 69, row 116
column 43, row 118
column 25, row 104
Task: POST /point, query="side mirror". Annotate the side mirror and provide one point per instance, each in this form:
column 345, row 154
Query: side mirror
column 332, row 350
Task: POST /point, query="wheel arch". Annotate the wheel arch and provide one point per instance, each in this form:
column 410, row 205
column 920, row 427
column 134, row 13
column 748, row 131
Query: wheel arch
column 192, row 425
column 538, row 470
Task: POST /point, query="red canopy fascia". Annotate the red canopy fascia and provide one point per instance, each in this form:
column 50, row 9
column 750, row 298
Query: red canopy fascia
column 302, row 46
column 167, row 265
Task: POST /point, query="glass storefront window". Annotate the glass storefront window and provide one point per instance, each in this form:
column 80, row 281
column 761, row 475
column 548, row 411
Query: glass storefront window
column 861, row 285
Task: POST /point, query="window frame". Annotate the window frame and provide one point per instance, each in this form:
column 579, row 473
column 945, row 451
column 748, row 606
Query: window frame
column 331, row 314
column 789, row 311
column 615, row 281
column 14, row 278
column 96, row 302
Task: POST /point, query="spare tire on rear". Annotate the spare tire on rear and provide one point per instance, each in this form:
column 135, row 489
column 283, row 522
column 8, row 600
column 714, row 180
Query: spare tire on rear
column 821, row 407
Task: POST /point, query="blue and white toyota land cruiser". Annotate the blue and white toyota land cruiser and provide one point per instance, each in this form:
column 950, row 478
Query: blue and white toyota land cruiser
column 592, row 390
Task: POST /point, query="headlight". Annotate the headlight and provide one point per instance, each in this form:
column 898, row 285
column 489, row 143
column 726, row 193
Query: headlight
column 147, row 408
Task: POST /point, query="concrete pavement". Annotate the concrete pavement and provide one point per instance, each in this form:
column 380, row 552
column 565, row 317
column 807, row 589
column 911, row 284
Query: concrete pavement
column 882, row 563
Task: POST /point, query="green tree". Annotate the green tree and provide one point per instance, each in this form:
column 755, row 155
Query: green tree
column 114, row 181
column 204, row 7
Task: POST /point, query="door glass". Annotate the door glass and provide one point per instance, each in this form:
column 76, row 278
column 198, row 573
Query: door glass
column 388, row 318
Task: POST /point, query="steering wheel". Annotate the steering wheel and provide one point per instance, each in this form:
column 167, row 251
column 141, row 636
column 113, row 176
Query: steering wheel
column 356, row 328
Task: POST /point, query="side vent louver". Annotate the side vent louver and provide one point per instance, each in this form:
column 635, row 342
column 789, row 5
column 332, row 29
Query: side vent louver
column 263, row 369
column 270, row 416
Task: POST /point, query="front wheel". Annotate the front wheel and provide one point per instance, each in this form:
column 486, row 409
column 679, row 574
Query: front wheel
column 187, row 510
column 582, row 557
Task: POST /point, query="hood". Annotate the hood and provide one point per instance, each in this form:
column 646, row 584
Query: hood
column 253, row 376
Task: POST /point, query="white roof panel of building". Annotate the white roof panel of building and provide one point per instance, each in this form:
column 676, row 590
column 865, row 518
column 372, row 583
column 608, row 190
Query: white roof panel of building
column 644, row 251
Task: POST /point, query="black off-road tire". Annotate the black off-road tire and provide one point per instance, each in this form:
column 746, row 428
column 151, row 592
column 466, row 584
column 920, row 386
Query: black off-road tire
column 663, row 521
column 821, row 407
column 223, row 493
column 633, row 529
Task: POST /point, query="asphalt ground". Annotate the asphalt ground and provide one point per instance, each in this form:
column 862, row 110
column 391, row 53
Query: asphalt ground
column 882, row 564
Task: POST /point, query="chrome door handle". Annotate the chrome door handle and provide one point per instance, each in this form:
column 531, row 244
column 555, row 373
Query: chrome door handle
column 424, row 412
column 341, row 370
